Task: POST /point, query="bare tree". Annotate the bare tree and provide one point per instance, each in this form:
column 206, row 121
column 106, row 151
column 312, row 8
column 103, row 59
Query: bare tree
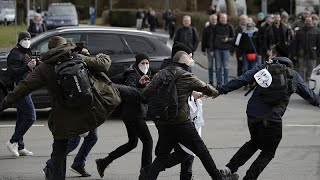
column 231, row 7
column 192, row 5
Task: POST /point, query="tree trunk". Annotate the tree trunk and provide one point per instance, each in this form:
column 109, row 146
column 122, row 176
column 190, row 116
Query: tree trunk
column 192, row 5
column 231, row 8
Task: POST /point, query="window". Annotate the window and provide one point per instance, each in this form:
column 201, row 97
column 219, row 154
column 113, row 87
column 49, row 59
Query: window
column 139, row 45
column 110, row 44
column 43, row 46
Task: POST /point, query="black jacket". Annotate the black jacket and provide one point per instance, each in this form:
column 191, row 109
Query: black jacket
column 270, row 39
column 17, row 65
column 187, row 36
column 207, row 33
column 245, row 46
column 219, row 33
column 307, row 41
column 261, row 39
column 33, row 30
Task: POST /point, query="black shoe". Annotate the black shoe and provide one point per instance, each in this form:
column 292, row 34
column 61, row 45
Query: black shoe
column 46, row 171
column 80, row 171
column 186, row 177
column 102, row 164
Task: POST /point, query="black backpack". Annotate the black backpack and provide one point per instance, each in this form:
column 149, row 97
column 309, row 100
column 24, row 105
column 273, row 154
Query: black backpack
column 74, row 82
column 281, row 86
column 163, row 103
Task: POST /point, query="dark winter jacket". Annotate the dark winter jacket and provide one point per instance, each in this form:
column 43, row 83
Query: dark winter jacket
column 65, row 122
column 187, row 36
column 133, row 110
column 262, row 39
column 245, row 46
column 307, row 42
column 32, row 29
column 256, row 106
column 17, row 65
column 220, row 32
column 207, row 33
column 270, row 38
column 186, row 84
column 239, row 30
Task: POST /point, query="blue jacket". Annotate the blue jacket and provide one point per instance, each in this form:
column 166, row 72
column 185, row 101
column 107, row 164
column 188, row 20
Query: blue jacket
column 256, row 106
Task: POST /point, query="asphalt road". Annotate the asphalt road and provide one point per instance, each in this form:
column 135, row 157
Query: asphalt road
column 297, row 158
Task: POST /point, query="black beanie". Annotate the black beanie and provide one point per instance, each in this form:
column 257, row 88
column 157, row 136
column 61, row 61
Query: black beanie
column 141, row 56
column 282, row 50
column 23, row 35
column 178, row 46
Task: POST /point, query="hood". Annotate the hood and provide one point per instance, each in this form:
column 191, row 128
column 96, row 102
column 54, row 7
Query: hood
column 283, row 60
column 56, row 54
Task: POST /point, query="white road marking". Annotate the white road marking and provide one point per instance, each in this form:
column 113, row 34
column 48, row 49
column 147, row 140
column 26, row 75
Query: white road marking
column 302, row 125
column 36, row 125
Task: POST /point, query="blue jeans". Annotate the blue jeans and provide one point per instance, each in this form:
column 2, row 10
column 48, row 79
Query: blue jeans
column 222, row 61
column 210, row 66
column 84, row 150
column 26, row 116
column 247, row 65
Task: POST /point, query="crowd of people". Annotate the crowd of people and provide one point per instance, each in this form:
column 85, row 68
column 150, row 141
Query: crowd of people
column 251, row 41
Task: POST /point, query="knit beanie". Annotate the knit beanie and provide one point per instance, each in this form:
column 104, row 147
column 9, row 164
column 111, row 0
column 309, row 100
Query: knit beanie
column 56, row 41
column 141, row 56
column 178, row 46
column 23, row 34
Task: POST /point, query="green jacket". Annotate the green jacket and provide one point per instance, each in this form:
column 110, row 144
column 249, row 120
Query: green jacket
column 186, row 84
column 69, row 122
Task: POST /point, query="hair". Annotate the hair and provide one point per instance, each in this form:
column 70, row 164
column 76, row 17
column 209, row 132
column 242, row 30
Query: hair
column 243, row 16
column 186, row 16
column 56, row 41
column 178, row 55
column 276, row 14
column 213, row 15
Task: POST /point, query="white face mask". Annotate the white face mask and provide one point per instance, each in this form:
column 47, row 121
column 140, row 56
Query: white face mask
column 263, row 78
column 144, row 68
column 191, row 63
column 25, row 43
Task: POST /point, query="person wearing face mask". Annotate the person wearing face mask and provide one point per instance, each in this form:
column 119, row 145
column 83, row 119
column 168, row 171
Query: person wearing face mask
column 20, row 63
column 133, row 116
column 248, row 45
column 37, row 26
column 179, row 130
column 307, row 44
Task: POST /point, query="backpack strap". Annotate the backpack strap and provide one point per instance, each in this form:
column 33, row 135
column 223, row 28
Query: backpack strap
column 175, row 77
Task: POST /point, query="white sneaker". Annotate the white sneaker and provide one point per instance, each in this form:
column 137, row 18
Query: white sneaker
column 13, row 148
column 25, row 152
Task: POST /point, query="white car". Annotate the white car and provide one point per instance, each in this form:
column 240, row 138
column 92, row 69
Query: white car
column 7, row 16
column 314, row 82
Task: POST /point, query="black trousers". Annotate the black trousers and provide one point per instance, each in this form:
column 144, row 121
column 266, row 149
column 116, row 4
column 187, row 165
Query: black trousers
column 59, row 159
column 135, row 130
column 186, row 134
column 239, row 65
column 266, row 136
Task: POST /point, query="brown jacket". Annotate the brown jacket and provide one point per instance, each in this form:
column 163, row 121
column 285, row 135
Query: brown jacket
column 69, row 122
column 186, row 84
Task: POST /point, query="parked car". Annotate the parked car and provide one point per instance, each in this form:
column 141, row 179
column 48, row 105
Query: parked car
column 61, row 14
column 7, row 16
column 120, row 43
column 314, row 81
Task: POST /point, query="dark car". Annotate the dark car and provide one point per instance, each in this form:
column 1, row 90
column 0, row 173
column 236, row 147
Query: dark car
column 61, row 14
column 120, row 43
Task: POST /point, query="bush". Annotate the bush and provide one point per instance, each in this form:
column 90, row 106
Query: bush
column 105, row 17
column 123, row 17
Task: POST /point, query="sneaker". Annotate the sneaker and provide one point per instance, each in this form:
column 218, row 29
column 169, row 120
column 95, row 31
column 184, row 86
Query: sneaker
column 46, row 171
column 13, row 148
column 25, row 152
column 81, row 171
column 102, row 165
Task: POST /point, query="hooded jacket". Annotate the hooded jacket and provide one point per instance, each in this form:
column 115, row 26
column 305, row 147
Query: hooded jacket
column 186, row 84
column 67, row 122
column 256, row 106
